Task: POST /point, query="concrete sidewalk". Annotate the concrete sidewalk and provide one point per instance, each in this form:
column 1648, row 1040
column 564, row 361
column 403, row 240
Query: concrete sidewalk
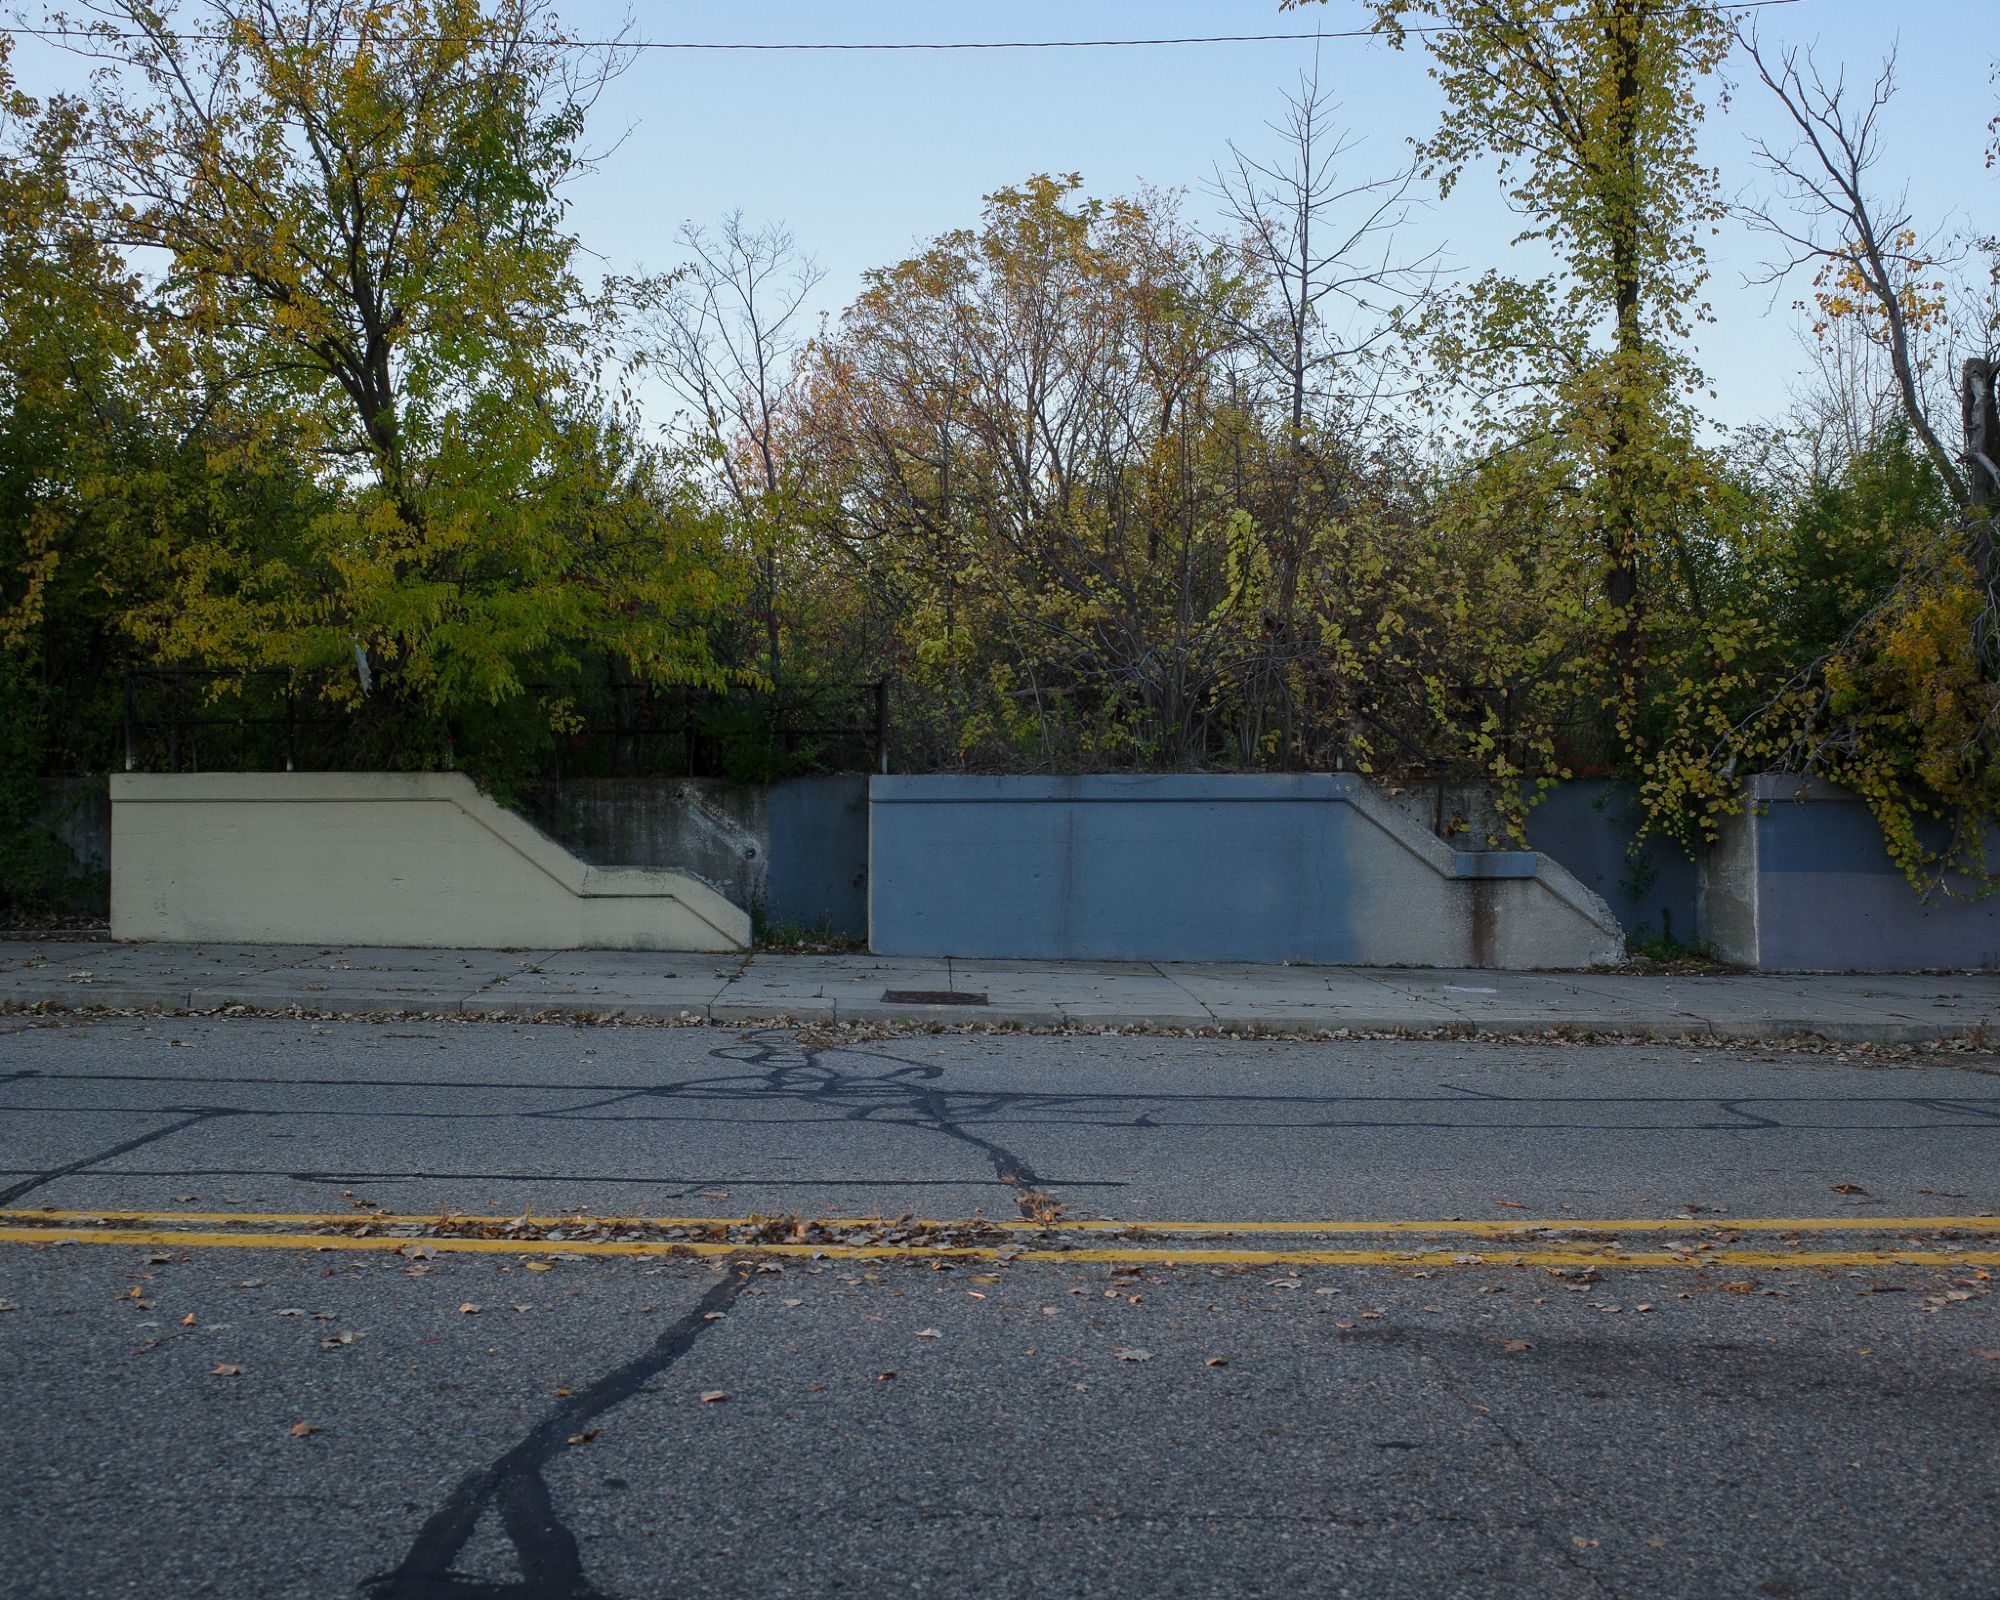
column 1855, row 1009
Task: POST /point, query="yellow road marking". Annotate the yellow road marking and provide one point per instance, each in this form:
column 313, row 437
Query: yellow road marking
column 1498, row 1226
column 181, row 1239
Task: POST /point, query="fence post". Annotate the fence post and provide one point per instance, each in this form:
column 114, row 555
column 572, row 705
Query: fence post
column 882, row 723
column 291, row 724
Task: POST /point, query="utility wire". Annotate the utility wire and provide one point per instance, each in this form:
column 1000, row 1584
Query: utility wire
column 806, row 46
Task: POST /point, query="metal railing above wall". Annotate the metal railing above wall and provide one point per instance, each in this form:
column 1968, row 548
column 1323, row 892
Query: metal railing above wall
column 265, row 720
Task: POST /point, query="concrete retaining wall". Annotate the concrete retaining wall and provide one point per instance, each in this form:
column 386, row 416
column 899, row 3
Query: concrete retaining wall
column 1588, row 825
column 419, row 859
column 1316, row 868
column 1801, row 882
column 795, row 850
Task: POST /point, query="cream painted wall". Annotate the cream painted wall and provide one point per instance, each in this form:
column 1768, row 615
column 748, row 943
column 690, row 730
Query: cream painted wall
column 414, row 859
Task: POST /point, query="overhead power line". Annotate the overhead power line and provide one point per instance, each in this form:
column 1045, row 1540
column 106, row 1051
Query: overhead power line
column 859, row 46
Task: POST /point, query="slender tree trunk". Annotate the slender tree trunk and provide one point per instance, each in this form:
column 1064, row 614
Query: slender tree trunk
column 1621, row 526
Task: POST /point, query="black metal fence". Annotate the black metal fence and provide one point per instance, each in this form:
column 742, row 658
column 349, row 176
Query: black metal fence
column 196, row 719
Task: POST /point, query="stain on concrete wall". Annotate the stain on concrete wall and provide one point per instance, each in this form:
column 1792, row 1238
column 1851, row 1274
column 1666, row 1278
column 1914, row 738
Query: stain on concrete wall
column 796, row 851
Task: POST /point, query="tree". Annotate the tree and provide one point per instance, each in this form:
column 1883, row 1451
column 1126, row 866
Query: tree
column 1589, row 111
column 724, row 331
column 1337, row 294
column 1014, row 433
column 1870, row 647
column 358, row 207
column 1870, row 271
column 86, row 476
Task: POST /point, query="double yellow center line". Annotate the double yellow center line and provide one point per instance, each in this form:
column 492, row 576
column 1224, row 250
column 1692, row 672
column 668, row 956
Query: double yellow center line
column 1972, row 1242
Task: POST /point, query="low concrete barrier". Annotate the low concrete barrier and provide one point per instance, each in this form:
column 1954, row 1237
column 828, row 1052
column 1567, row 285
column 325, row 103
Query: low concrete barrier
column 419, row 859
column 1800, row 881
column 797, row 849
column 1310, row 868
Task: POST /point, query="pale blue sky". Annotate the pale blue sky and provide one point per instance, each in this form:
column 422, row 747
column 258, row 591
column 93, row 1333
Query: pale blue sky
column 865, row 155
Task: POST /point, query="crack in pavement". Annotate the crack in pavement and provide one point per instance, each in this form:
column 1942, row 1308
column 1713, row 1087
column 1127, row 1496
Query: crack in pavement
column 550, row 1561
column 36, row 1180
column 903, row 1096
column 549, row 1557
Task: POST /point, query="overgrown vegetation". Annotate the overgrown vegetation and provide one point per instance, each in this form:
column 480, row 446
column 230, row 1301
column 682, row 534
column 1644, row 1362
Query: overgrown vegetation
column 303, row 374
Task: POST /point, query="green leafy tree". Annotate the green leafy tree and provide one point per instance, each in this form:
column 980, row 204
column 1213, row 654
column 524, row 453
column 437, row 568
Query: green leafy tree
column 80, row 467
column 1588, row 111
column 358, row 210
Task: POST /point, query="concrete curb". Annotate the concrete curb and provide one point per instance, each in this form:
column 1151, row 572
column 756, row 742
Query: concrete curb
column 68, row 998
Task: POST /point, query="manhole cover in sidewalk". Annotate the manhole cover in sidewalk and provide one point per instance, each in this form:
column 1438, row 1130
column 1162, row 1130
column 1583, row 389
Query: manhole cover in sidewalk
column 931, row 997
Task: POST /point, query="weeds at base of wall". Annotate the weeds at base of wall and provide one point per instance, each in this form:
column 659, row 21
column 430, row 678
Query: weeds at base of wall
column 1665, row 949
column 792, row 937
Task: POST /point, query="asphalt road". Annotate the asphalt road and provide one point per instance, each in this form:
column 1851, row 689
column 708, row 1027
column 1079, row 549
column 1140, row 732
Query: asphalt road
column 265, row 1420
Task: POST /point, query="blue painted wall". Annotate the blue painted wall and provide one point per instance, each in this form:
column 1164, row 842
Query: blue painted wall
column 1109, row 868
column 1830, row 899
column 1588, row 826
column 818, row 831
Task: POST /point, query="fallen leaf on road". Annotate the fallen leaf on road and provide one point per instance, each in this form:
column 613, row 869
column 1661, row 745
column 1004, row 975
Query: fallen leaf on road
column 1736, row 1288
column 1514, row 1344
column 223, row 1369
column 188, row 1320
column 1514, row 1205
column 884, row 1377
column 1216, row 1361
column 1987, row 1355
column 929, row 1333
column 336, row 1341
column 537, row 1266
column 417, row 1252
column 468, row 1308
column 710, row 1396
column 1848, row 1188
column 586, row 1436
column 1125, row 1353
column 301, row 1429
column 712, row 1316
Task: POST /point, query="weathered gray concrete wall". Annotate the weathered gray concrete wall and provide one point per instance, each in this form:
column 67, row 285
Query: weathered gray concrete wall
column 374, row 858
column 1588, row 825
column 78, row 812
column 796, row 851
column 1313, row 868
column 1801, row 882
